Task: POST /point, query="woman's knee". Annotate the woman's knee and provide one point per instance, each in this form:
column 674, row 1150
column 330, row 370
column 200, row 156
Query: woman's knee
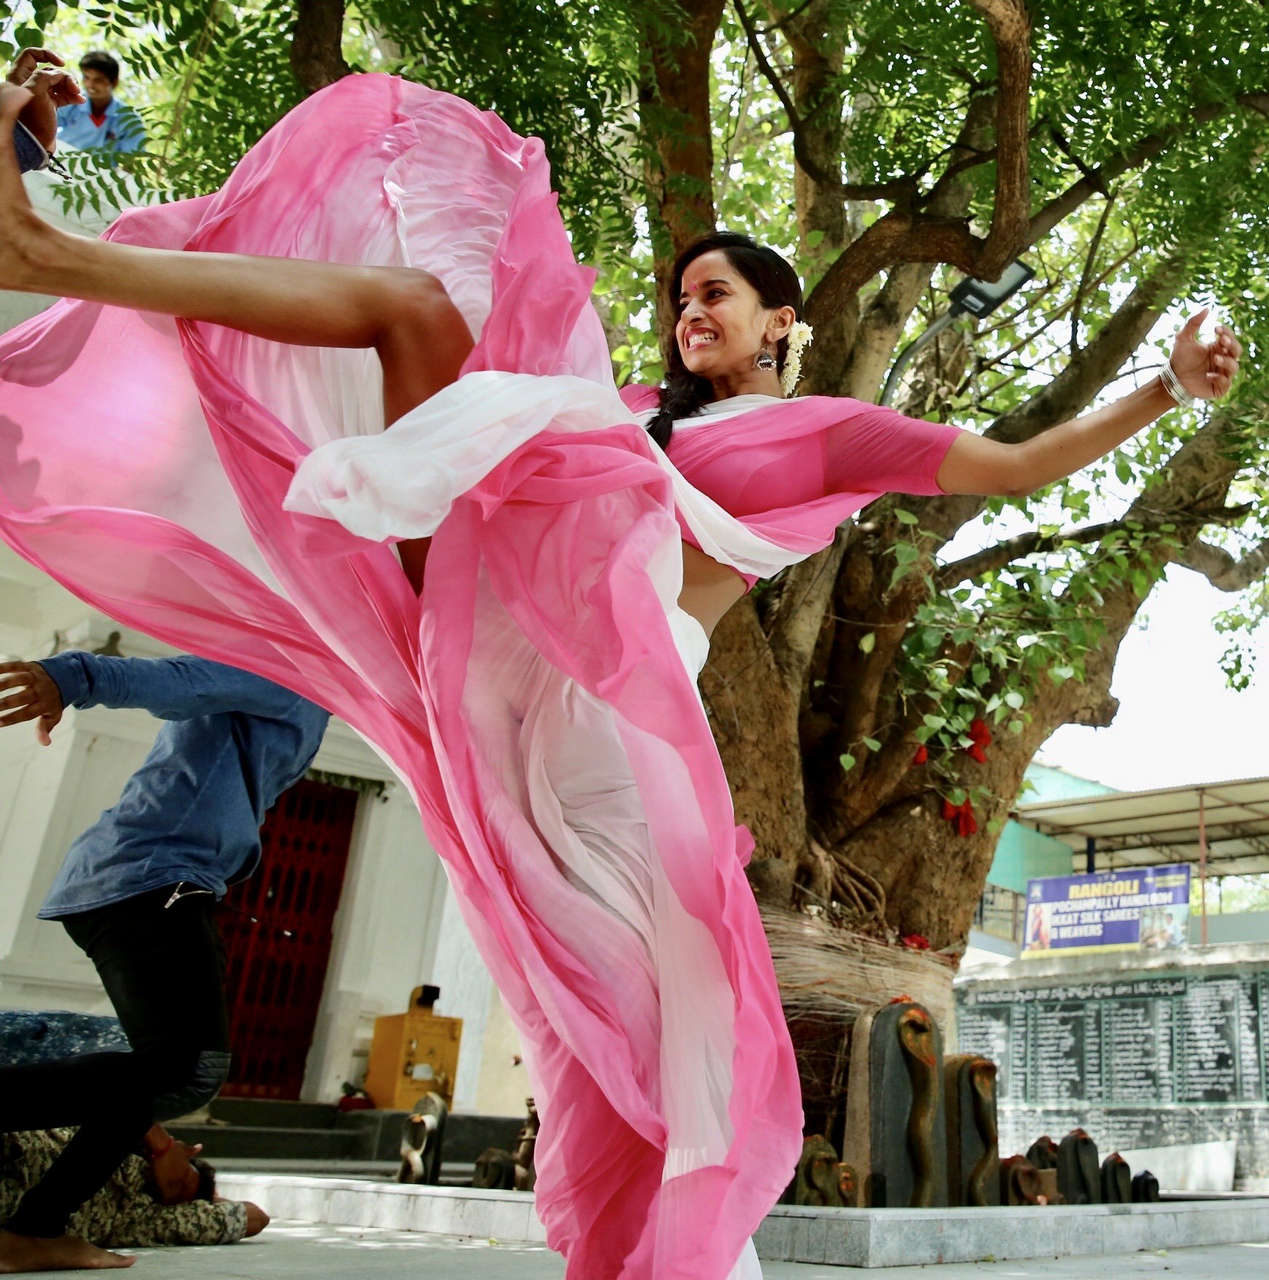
column 419, row 316
column 413, row 301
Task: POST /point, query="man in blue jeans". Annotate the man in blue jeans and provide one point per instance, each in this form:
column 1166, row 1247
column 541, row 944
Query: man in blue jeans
column 137, row 893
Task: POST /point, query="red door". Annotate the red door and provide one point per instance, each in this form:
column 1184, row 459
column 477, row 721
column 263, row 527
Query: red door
column 277, row 932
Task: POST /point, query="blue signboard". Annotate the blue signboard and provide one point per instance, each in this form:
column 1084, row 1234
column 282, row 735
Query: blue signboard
column 1146, row 909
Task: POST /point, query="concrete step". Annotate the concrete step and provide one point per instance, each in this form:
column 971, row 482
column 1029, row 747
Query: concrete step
column 840, row 1237
column 452, row 1175
column 269, row 1114
column 220, row 1141
column 317, row 1134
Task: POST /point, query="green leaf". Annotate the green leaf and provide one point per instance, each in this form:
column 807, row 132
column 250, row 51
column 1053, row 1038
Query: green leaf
column 872, row 744
column 933, row 722
column 847, row 761
column 868, row 643
column 904, row 517
column 1014, row 699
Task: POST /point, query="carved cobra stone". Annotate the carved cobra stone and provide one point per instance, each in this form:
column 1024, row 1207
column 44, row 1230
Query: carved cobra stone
column 819, row 1174
column 982, row 1079
column 916, row 1035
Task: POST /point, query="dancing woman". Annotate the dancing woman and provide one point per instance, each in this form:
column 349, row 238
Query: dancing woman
column 531, row 673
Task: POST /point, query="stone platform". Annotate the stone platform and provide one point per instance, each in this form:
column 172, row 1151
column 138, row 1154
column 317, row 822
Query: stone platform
column 838, row 1237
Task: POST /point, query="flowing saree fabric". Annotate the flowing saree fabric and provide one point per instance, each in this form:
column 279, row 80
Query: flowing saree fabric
column 238, row 499
column 537, row 699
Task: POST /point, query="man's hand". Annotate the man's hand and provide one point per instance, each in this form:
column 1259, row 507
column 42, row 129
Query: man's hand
column 28, row 692
column 257, row 1219
column 28, row 62
column 49, row 87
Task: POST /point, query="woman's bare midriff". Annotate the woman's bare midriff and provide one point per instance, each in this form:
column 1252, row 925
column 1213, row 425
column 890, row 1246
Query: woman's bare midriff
column 709, row 588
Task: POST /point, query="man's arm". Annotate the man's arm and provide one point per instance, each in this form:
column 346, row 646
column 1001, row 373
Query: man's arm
column 141, row 1222
column 172, row 688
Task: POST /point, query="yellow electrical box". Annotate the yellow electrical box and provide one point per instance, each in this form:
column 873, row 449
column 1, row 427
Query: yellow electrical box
column 413, row 1053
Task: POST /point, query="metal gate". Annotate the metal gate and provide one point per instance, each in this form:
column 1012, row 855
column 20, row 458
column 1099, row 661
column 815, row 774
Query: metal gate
column 277, row 932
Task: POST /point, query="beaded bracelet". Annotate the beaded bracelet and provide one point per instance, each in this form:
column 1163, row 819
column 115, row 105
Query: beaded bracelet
column 1172, row 385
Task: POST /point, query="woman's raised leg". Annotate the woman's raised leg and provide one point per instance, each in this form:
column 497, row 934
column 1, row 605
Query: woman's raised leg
column 404, row 314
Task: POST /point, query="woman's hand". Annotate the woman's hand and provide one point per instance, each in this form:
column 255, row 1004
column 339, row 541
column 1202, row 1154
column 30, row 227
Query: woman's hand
column 1205, row 369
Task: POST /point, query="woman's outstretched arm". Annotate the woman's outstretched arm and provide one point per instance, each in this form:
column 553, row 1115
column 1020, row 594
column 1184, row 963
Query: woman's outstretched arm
column 976, row 465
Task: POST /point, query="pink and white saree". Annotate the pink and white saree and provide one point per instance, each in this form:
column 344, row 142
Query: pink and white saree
column 238, row 499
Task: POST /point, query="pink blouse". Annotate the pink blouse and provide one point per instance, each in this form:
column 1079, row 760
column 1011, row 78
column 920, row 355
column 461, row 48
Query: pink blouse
column 794, row 470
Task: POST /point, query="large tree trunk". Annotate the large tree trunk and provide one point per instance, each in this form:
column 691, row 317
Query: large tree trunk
column 317, row 46
column 674, row 111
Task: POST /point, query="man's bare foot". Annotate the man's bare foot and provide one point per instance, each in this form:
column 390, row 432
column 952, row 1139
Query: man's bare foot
column 65, row 1253
column 23, row 235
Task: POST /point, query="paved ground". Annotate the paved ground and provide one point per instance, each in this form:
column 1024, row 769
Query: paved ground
column 294, row 1249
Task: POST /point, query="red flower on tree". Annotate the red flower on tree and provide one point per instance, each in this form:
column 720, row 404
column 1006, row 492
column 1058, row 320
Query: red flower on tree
column 961, row 816
column 981, row 736
column 915, row 942
column 922, row 754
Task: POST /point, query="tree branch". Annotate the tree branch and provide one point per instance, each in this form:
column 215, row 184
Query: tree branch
column 1010, row 28
column 901, row 189
column 674, row 116
column 1221, row 569
column 1097, row 180
column 1026, row 544
column 904, row 236
column 317, row 56
column 805, row 594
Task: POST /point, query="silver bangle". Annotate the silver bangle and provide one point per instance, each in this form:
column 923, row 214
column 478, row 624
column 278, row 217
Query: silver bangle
column 1172, row 385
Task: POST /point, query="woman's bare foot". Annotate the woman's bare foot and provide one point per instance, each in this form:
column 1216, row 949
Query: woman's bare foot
column 65, row 1253
column 24, row 236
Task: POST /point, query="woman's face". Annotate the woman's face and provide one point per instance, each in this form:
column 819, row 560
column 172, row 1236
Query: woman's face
column 722, row 323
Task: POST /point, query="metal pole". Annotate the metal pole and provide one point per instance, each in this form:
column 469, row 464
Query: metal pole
column 1203, row 866
column 904, row 357
column 1090, row 854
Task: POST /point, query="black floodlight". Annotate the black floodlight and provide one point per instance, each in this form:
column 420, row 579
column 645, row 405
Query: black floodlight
column 981, row 298
column 975, row 297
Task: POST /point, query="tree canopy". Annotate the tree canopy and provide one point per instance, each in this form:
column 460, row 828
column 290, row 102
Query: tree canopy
column 889, row 150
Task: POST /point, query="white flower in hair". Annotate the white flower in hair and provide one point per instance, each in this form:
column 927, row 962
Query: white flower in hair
column 800, row 337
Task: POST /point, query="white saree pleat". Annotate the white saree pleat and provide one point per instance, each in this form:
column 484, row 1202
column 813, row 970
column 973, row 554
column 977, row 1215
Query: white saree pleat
column 376, row 487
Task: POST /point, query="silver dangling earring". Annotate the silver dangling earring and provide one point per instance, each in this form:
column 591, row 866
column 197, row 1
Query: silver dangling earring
column 764, row 361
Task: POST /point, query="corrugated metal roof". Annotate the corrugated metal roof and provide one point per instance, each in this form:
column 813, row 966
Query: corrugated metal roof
column 1152, row 828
